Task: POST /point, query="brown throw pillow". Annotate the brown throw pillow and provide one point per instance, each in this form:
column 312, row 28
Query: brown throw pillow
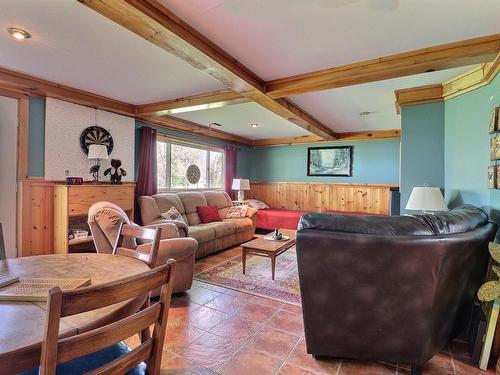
column 237, row 212
column 173, row 214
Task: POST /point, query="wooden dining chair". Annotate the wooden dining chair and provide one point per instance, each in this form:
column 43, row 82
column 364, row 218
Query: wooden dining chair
column 137, row 232
column 94, row 351
column 2, row 244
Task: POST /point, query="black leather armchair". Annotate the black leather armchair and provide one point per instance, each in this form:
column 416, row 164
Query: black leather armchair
column 389, row 288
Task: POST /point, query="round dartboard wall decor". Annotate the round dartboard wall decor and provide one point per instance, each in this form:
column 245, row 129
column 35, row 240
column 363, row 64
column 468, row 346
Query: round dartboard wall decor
column 193, row 174
column 96, row 135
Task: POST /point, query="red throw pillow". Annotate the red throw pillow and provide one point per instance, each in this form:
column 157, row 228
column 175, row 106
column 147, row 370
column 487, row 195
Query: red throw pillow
column 208, row 214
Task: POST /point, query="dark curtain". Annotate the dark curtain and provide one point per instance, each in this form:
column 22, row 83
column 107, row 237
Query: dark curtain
column 146, row 174
column 230, row 159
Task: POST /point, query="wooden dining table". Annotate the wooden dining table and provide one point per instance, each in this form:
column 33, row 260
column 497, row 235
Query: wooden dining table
column 22, row 323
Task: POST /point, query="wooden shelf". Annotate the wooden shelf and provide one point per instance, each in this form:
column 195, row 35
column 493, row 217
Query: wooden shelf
column 78, row 241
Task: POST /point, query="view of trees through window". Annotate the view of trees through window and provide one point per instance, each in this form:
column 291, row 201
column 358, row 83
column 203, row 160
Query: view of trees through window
column 173, row 160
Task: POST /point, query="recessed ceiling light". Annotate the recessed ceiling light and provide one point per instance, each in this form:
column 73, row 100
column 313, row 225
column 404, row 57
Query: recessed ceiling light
column 365, row 113
column 19, row 34
column 254, row 125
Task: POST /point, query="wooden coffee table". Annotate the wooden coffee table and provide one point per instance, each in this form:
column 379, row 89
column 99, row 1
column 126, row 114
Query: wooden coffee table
column 265, row 248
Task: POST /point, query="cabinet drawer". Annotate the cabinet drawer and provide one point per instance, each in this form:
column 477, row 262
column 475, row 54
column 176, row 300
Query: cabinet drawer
column 80, row 198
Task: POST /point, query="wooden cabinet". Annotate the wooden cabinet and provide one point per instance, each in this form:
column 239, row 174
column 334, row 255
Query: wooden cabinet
column 49, row 210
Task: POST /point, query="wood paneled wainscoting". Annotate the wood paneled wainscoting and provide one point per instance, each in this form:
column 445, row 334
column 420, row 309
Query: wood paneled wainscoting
column 321, row 196
column 47, row 210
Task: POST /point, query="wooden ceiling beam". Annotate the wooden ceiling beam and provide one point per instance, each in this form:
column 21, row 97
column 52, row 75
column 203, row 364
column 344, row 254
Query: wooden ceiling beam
column 29, row 85
column 445, row 56
column 155, row 23
column 185, row 126
column 468, row 81
column 199, row 102
column 348, row 136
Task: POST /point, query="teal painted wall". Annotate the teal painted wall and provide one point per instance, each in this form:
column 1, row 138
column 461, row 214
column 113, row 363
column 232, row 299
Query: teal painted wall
column 244, row 153
column 375, row 162
column 422, row 143
column 467, row 145
column 36, row 139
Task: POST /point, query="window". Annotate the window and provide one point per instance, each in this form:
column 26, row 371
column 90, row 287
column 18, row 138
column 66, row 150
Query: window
column 174, row 157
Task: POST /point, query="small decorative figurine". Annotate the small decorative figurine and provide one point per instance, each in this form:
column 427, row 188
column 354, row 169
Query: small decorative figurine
column 277, row 235
column 116, row 176
column 94, row 171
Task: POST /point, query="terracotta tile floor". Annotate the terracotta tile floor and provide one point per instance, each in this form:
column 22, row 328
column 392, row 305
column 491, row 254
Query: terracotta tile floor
column 214, row 330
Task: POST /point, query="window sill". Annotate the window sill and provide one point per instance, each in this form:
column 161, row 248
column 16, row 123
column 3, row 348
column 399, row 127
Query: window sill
column 184, row 190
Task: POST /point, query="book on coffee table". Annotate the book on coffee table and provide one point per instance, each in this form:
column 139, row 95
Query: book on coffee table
column 37, row 289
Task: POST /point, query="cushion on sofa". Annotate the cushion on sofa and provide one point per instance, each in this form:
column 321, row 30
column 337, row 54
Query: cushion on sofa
column 172, row 214
column 149, row 209
column 219, row 199
column 241, row 225
column 191, row 199
column 208, row 214
column 202, row 232
column 237, row 212
column 223, row 228
column 167, row 200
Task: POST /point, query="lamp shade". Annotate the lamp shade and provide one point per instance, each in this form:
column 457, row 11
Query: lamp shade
column 98, row 152
column 425, row 198
column 241, row 184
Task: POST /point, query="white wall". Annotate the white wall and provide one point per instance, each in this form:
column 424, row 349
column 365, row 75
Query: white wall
column 8, row 171
column 64, row 122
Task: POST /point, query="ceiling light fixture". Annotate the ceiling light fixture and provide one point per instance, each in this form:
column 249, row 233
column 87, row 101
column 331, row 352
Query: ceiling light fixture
column 18, row 34
column 365, row 113
column 254, row 125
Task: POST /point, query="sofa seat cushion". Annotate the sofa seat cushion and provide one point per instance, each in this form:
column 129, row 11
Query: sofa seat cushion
column 223, row 228
column 241, row 225
column 202, row 233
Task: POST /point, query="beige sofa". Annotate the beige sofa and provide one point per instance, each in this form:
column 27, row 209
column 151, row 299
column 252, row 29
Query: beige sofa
column 211, row 237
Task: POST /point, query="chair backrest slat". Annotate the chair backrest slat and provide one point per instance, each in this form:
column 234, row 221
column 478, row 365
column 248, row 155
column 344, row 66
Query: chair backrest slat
column 100, row 338
column 143, row 257
column 127, row 362
column 94, row 297
column 107, row 331
column 136, row 232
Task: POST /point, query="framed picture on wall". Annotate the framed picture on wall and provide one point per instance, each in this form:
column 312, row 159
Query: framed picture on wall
column 494, row 120
column 495, row 147
column 329, row 161
column 492, row 177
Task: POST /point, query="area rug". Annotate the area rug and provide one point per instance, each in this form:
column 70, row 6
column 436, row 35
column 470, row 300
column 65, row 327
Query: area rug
column 257, row 280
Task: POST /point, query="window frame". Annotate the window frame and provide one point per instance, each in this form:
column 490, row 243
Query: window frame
column 169, row 141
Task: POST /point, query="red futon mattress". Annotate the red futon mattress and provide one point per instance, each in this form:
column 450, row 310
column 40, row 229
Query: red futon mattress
column 271, row 218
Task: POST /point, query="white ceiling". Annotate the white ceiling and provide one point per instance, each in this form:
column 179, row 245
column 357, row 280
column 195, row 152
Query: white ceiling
column 339, row 108
column 78, row 47
column 236, row 119
column 276, row 38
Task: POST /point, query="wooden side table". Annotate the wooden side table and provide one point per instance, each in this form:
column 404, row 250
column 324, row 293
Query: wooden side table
column 269, row 249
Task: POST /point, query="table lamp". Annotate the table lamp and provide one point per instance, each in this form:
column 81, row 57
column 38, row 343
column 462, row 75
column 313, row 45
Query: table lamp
column 426, row 199
column 241, row 184
column 97, row 152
